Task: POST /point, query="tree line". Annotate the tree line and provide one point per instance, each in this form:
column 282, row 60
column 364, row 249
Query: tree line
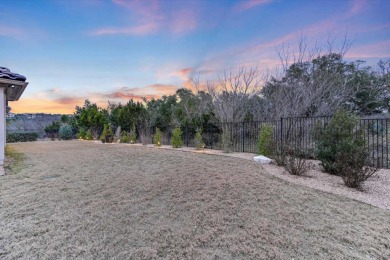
column 316, row 87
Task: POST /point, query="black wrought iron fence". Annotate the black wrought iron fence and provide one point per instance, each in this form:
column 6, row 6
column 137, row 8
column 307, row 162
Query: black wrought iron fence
column 294, row 131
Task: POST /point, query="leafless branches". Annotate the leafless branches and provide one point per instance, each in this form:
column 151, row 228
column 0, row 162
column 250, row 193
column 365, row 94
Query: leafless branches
column 231, row 92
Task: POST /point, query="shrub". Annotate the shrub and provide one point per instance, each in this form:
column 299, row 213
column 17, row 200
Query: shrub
column 133, row 135
column 106, row 136
column 81, row 134
column 331, row 140
column 352, row 161
column 66, row 132
column 199, row 144
column 280, row 155
column 88, row 135
column 22, row 137
column 294, row 163
column 125, row 138
column 52, row 129
column 227, row 142
column 265, row 144
column 176, row 140
column 157, row 138
column 342, row 150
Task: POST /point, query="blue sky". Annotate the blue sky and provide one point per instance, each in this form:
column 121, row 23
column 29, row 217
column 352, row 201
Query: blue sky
column 117, row 49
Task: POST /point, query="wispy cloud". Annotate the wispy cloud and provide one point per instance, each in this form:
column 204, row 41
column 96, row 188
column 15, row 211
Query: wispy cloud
column 149, row 18
column 358, row 6
column 183, row 21
column 137, row 94
column 69, row 101
column 183, row 74
column 142, row 29
column 146, row 8
column 264, row 53
column 249, row 4
column 373, row 28
column 374, row 50
column 54, row 90
column 9, row 31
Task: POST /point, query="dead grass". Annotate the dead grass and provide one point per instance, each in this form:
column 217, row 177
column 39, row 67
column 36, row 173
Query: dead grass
column 84, row 200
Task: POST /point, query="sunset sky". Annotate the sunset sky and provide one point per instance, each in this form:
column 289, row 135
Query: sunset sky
column 117, row 49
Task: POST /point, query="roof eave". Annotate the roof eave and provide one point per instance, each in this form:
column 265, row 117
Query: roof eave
column 20, row 84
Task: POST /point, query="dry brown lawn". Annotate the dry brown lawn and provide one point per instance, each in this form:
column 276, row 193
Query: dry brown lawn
column 76, row 199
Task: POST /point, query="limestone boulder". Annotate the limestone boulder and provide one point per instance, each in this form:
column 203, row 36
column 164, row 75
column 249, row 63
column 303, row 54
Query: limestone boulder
column 262, row 159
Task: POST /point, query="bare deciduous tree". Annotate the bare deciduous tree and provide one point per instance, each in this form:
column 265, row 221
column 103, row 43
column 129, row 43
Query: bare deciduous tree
column 231, row 92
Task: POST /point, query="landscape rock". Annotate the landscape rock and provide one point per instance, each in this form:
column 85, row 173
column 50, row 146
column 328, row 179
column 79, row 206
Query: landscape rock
column 262, row 159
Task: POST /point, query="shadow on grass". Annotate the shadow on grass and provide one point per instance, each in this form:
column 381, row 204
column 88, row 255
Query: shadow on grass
column 14, row 161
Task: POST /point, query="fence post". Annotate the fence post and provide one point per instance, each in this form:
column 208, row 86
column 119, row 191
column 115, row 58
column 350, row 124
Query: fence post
column 387, row 149
column 152, row 135
column 243, row 136
column 187, row 135
column 281, row 135
column 210, row 137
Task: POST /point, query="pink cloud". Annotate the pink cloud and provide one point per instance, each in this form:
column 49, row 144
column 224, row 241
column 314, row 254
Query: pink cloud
column 10, row 31
column 69, row 101
column 142, row 29
column 249, row 4
column 150, row 18
column 183, row 21
column 148, row 8
column 185, row 71
column 149, row 92
column 182, row 73
column 373, row 50
column 358, row 6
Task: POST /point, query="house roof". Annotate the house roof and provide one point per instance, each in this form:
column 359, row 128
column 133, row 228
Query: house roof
column 5, row 73
column 13, row 83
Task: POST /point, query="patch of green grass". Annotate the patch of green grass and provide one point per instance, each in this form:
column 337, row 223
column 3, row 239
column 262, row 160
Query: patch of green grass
column 13, row 160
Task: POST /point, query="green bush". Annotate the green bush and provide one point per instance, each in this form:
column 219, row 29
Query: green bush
column 66, row 132
column 22, row 137
column 157, row 138
column 107, row 135
column 81, row 134
column 227, row 142
column 342, row 151
column 52, row 129
column 338, row 137
column 199, row 144
column 133, row 135
column 125, row 138
column 352, row 162
column 88, row 135
column 265, row 144
column 177, row 140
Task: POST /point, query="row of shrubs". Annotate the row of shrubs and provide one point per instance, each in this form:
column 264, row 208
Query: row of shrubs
column 107, row 136
column 177, row 138
column 340, row 148
column 22, row 137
